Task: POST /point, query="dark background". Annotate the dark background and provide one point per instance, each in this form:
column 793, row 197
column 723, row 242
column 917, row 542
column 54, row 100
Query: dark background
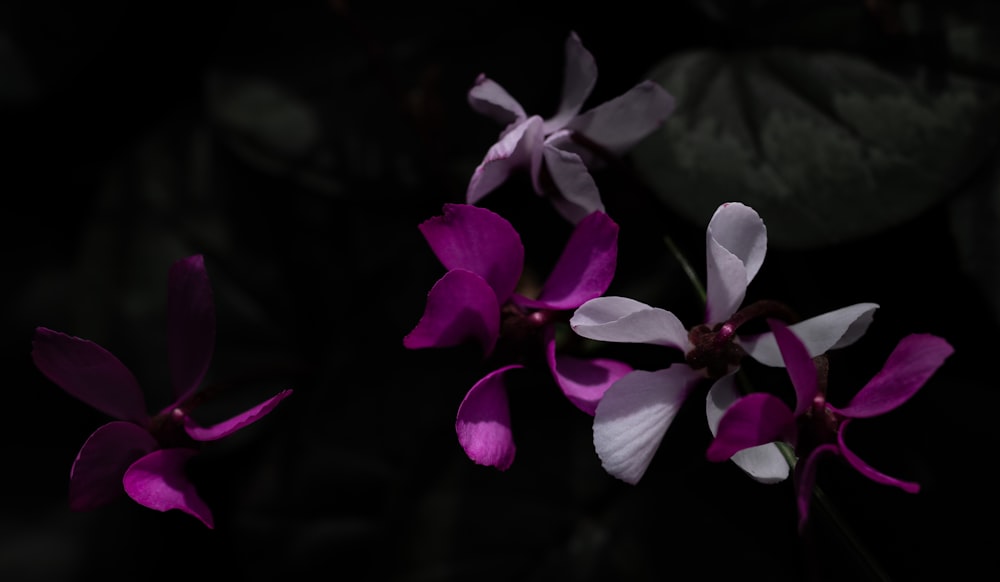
column 297, row 146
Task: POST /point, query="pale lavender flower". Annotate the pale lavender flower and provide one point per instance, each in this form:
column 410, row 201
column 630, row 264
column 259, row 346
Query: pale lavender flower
column 546, row 148
column 137, row 453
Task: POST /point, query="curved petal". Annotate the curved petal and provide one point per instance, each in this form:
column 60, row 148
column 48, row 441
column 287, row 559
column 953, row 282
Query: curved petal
column 620, row 319
column 753, row 420
column 483, row 422
column 868, row 471
column 585, row 267
column 461, row 306
column 805, row 478
column 617, row 125
column 633, row 416
column 478, row 240
column 89, row 372
column 158, row 481
column 764, row 463
column 801, row 368
column 577, row 195
column 190, row 324
column 519, row 148
column 820, row 334
column 583, row 380
column 490, row 99
column 228, row 427
column 579, row 78
column 736, row 242
column 96, row 476
column 910, row 365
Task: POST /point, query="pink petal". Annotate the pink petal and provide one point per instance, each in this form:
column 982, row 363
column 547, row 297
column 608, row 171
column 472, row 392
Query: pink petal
column 478, row 240
column 820, row 334
column 158, row 481
column 764, row 463
column 911, row 364
column 228, row 427
column 89, row 372
column 461, row 307
column 801, row 368
column 579, row 78
column 736, row 244
column 868, row 471
column 519, row 148
column 585, row 267
column 619, row 319
column 805, row 479
column 633, row 416
column 619, row 124
column 583, row 380
column 190, row 324
column 96, row 476
column 490, row 99
column 483, row 422
column 754, row 420
column 577, row 195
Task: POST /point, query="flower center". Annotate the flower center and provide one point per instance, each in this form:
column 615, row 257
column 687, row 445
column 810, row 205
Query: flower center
column 714, row 350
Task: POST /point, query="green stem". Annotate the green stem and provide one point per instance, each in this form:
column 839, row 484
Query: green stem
column 688, row 270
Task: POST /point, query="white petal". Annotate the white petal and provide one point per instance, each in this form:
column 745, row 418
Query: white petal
column 633, row 416
column 831, row 330
column 579, row 78
column 736, row 242
column 764, row 463
column 620, row 319
column 490, row 99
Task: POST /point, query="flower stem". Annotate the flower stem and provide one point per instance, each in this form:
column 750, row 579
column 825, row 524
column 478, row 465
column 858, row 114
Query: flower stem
column 688, row 270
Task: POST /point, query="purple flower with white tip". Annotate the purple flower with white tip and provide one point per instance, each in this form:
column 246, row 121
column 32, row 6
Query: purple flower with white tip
column 141, row 454
column 636, row 411
column 546, row 147
column 764, row 418
column 476, row 300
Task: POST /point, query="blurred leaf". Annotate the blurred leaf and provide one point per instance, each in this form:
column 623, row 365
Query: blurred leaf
column 826, row 146
column 974, row 219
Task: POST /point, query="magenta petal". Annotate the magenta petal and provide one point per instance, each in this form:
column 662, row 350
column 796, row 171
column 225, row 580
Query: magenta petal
column 478, row 240
column 228, row 427
column 158, row 481
column 519, row 148
column 584, row 381
column 492, row 100
column 461, row 306
column 624, row 121
column 585, row 268
column 483, row 422
column 577, row 195
column 90, row 373
column 753, row 420
column 867, row 470
column 805, row 478
column 190, row 324
column 579, row 78
column 96, row 476
column 801, row 368
column 910, row 365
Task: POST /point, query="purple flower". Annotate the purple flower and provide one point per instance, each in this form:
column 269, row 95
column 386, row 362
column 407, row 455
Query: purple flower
column 763, row 418
column 476, row 300
column 529, row 142
column 636, row 411
column 141, row 454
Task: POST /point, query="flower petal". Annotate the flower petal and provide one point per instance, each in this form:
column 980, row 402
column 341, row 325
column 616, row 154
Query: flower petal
column 583, row 380
column 585, row 267
column 868, row 471
column 461, row 306
column 620, row 319
column 820, row 334
column 190, row 325
column 519, row 148
column 96, row 476
column 158, row 481
column 911, row 363
column 753, row 420
column 577, row 195
column 228, row 427
column 478, row 240
column 483, row 422
column 801, row 368
column 764, row 463
column 579, row 78
column 805, row 478
column 736, row 242
column 490, row 99
column 624, row 121
column 89, row 372
column 633, row 416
